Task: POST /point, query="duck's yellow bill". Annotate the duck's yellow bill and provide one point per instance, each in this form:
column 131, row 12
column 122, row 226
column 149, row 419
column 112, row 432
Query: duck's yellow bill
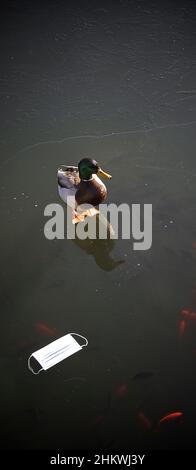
column 104, row 174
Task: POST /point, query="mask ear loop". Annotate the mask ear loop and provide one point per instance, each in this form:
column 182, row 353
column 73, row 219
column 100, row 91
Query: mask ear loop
column 83, row 337
column 30, row 368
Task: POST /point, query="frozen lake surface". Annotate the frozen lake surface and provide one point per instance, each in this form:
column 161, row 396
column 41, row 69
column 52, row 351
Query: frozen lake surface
column 115, row 81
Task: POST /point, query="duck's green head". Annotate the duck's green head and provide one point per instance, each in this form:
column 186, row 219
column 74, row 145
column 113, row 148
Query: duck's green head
column 87, row 167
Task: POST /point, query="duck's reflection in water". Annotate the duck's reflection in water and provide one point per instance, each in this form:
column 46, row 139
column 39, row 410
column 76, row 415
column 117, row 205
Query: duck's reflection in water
column 101, row 250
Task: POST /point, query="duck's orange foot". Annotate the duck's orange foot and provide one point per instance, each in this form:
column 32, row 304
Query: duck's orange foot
column 76, row 218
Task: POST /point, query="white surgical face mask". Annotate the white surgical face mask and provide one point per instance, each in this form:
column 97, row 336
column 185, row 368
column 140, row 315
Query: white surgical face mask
column 56, row 351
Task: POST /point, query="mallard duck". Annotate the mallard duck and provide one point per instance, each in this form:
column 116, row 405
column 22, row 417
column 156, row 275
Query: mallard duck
column 84, row 183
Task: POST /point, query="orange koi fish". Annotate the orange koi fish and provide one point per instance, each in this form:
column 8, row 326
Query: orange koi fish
column 182, row 327
column 188, row 314
column 46, row 330
column 121, row 390
column 144, row 421
column 99, row 419
column 170, row 417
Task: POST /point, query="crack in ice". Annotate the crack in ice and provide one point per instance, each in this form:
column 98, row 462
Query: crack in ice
column 99, row 137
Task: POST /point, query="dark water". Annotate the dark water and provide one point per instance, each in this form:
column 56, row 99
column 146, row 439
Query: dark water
column 115, row 80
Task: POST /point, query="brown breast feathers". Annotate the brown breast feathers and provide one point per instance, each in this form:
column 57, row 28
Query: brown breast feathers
column 90, row 192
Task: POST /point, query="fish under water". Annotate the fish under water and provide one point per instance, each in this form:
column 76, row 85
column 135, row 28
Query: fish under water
column 144, row 421
column 45, row 329
column 121, row 390
column 182, row 327
column 186, row 313
column 170, row 417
